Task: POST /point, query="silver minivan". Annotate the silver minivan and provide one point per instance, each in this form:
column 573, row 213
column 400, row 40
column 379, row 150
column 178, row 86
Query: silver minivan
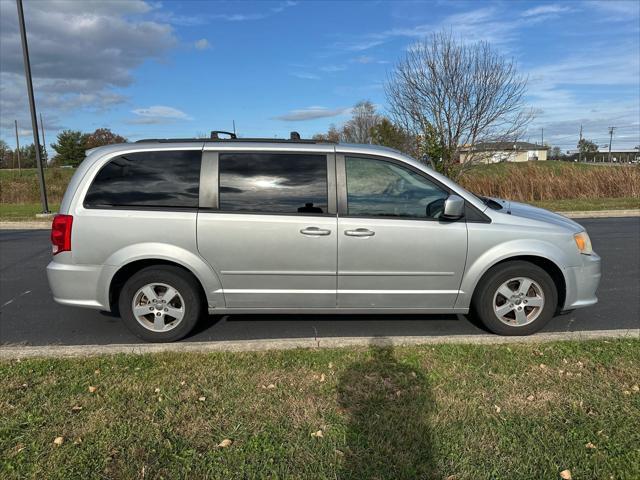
column 163, row 231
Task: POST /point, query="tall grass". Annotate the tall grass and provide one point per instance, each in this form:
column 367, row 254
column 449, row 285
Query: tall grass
column 22, row 187
column 530, row 182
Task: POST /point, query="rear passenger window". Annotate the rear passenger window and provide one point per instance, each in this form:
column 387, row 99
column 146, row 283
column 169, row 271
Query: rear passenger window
column 148, row 179
column 273, row 183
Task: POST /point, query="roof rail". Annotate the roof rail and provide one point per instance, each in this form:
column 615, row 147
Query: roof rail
column 294, row 138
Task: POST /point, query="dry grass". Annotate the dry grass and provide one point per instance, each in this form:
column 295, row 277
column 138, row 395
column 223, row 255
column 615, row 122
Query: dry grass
column 553, row 181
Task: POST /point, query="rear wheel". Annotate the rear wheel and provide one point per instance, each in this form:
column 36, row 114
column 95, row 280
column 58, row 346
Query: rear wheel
column 515, row 298
column 160, row 304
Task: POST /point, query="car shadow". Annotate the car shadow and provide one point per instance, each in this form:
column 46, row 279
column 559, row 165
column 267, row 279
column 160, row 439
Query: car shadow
column 278, row 326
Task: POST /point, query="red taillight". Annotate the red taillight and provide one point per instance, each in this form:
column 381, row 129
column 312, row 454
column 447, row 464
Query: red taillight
column 61, row 233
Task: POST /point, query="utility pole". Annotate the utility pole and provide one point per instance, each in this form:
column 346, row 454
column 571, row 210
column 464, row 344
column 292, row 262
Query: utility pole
column 542, row 137
column 580, row 146
column 611, row 129
column 32, row 106
column 44, row 143
column 17, row 145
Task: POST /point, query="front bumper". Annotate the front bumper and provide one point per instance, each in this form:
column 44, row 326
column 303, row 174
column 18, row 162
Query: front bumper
column 582, row 282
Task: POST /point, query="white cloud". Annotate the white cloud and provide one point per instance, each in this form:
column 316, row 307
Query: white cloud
column 202, row 44
column 204, row 18
column 80, row 52
column 552, row 90
column 312, row 113
column 549, row 9
column 617, row 10
column 158, row 114
column 366, row 59
column 305, row 75
column 333, row 68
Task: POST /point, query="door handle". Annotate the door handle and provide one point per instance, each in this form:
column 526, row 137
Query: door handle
column 359, row 232
column 315, row 231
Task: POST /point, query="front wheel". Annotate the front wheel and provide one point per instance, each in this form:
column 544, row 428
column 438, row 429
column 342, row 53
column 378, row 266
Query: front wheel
column 515, row 298
column 160, row 304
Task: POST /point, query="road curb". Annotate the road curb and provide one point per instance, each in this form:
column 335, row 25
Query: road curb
column 31, row 225
column 40, row 225
column 9, row 352
column 603, row 214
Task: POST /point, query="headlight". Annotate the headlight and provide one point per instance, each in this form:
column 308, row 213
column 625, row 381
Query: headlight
column 583, row 242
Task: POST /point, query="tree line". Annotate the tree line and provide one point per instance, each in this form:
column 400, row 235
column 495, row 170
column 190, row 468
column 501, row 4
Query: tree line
column 70, row 148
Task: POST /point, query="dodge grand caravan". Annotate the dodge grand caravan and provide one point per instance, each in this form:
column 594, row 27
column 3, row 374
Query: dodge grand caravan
column 163, row 231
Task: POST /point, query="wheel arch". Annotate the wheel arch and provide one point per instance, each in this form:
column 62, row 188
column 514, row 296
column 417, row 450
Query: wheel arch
column 544, row 254
column 126, row 271
column 135, row 257
column 545, row 264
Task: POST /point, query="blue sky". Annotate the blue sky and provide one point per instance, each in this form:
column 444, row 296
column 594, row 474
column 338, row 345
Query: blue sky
column 172, row 69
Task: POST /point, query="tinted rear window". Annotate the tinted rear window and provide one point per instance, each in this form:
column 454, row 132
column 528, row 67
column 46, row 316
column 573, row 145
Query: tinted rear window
column 273, row 183
column 148, row 179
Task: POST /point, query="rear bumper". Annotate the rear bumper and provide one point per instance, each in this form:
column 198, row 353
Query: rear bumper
column 79, row 285
column 582, row 282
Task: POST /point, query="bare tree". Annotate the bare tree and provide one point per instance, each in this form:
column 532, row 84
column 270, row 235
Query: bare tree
column 363, row 118
column 454, row 96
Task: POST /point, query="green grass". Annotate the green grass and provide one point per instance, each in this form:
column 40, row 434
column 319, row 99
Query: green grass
column 17, row 212
column 589, row 204
column 428, row 412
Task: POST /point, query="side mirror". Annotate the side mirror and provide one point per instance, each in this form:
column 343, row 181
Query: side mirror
column 453, row 208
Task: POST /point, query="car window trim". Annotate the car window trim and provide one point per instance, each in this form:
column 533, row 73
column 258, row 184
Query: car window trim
column 341, row 172
column 140, row 207
column 331, row 183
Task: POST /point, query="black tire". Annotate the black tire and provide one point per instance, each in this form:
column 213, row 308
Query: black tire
column 483, row 299
column 183, row 282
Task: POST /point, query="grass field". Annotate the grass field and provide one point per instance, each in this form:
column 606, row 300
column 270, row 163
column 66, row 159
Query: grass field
column 551, row 181
column 428, row 412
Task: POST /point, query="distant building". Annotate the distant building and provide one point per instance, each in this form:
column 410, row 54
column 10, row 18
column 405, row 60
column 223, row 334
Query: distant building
column 624, row 155
column 496, row 152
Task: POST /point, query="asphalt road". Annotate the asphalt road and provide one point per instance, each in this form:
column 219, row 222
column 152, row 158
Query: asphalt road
column 28, row 314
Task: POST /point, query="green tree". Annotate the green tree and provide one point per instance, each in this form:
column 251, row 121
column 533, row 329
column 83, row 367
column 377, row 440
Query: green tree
column 70, row 147
column 103, row 136
column 388, row 134
column 6, row 155
column 28, row 155
column 587, row 146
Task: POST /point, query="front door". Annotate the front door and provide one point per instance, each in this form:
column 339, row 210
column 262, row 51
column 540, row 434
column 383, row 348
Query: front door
column 271, row 232
column 393, row 250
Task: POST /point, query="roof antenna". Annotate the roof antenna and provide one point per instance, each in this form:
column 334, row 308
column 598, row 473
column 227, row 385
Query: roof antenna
column 294, row 136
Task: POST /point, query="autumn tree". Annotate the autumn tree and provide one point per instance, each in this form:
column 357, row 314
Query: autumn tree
column 455, row 95
column 102, row 136
column 333, row 135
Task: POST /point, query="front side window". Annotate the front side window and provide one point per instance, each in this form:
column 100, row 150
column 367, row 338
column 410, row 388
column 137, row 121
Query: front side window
column 273, row 183
column 167, row 179
column 380, row 188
